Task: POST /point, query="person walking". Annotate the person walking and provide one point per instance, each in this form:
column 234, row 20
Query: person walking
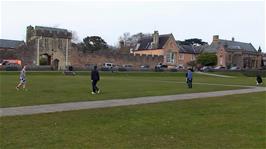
column 22, row 79
column 95, row 77
column 189, row 78
column 258, row 80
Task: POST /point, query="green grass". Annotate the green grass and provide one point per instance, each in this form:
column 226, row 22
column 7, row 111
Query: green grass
column 54, row 87
column 236, row 121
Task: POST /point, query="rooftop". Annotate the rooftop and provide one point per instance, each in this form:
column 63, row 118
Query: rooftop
column 145, row 43
column 230, row 45
column 10, row 44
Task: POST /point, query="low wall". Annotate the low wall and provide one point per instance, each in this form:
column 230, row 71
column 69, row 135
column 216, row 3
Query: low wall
column 81, row 59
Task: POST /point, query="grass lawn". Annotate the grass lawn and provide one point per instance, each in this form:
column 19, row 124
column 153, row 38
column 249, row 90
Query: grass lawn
column 54, row 87
column 236, row 121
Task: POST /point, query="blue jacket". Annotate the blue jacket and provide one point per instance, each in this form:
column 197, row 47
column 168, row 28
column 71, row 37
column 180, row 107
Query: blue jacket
column 189, row 75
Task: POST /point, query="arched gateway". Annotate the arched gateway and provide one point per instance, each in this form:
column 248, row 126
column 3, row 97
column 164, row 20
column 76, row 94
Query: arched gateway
column 51, row 46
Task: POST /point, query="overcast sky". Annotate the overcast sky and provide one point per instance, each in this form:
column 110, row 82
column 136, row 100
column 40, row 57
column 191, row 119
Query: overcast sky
column 243, row 20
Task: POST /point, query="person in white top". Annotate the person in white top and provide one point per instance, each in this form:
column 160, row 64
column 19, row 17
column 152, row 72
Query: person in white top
column 22, row 79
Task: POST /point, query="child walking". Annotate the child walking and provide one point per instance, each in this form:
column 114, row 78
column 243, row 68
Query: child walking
column 22, row 79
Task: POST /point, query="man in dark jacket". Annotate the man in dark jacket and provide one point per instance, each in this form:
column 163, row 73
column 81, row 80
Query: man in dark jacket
column 95, row 77
column 259, row 80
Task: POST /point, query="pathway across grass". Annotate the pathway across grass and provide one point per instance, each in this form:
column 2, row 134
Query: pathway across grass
column 117, row 102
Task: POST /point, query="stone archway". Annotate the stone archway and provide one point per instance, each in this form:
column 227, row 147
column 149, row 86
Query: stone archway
column 55, row 64
column 45, row 59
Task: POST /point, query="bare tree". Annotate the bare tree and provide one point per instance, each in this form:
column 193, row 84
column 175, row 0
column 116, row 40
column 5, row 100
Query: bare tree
column 75, row 37
column 131, row 40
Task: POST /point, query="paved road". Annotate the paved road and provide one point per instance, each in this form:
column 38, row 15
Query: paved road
column 48, row 108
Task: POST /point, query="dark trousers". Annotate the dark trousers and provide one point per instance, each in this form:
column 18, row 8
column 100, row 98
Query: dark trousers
column 94, row 87
column 189, row 83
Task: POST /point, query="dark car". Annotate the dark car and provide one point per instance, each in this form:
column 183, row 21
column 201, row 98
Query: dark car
column 12, row 67
column 144, row 67
column 206, row 68
column 160, row 67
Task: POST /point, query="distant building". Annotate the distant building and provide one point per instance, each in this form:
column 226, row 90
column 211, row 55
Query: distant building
column 264, row 59
column 6, row 44
column 51, row 45
column 188, row 53
column 161, row 45
column 8, row 48
column 233, row 53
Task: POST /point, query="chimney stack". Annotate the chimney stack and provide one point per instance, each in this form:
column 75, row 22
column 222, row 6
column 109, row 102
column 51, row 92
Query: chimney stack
column 233, row 39
column 215, row 38
column 155, row 41
column 259, row 50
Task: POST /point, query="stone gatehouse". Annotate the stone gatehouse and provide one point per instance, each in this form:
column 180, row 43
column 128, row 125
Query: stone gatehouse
column 50, row 45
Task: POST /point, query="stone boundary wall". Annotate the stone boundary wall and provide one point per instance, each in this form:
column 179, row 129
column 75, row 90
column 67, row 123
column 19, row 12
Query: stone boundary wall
column 81, row 59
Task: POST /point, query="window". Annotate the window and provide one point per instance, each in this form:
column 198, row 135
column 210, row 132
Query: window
column 170, row 57
column 193, row 57
column 181, row 56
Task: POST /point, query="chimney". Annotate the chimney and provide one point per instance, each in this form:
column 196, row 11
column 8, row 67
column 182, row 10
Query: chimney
column 259, row 50
column 215, row 38
column 233, row 39
column 155, row 42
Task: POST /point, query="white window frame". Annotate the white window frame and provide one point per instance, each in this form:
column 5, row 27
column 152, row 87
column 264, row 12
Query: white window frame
column 170, row 57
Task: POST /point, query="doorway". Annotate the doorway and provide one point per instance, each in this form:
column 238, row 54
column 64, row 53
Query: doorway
column 55, row 64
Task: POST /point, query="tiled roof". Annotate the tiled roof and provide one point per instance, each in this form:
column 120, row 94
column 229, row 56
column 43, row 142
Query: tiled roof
column 145, row 43
column 11, row 44
column 190, row 49
column 230, row 45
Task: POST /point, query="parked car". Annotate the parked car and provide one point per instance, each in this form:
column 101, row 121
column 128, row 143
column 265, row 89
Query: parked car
column 107, row 67
column 219, row 68
column 12, row 67
column 144, row 67
column 128, row 67
column 160, row 67
column 206, row 68
column 10, row 61
column 235, row 68
column 179, row 67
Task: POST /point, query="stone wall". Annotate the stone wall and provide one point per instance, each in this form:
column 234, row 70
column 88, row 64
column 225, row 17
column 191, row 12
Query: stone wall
column 24, row 53
column 80, row 59
column 27, row 54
